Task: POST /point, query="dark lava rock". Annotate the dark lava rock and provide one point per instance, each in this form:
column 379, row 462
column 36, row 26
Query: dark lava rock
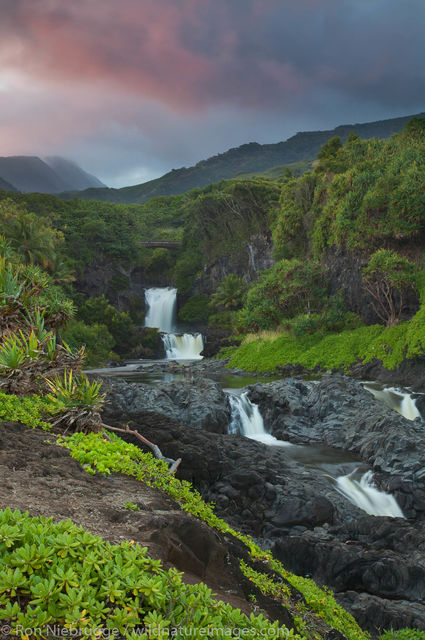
column 338, row 412
column 201, row 404
column 376, row 565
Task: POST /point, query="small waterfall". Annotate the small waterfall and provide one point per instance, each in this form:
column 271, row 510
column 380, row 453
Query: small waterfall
column 365, row 495
column 161, row 305
column 183, row 347
column 396, row 399
column 247, row 420
column 408, row 407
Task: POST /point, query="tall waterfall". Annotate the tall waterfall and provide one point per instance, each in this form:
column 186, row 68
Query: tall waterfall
column 161, row 304
column 364, row 494
column 247, row 420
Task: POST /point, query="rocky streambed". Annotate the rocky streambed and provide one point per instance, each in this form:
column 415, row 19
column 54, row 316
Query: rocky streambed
column 375, row 565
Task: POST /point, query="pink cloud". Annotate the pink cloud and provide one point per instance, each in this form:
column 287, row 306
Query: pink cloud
column 139, row 47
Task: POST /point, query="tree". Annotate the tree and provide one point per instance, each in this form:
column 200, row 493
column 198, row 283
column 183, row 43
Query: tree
column 387, row 278
column 33, row 238
column 229, row 293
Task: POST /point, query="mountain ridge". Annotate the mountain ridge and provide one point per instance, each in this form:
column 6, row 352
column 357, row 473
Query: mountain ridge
column 251, row 157
column 52, row 175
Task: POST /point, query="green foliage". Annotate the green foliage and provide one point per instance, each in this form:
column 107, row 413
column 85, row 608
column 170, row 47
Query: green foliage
column 76, row 402
column 119, row 324
column 75, row 391
column 59, row 574
column 386, row 278
column 104, row 581
column 29, row 410
column 221, row 319
column 364, row 193
column 328, row 154
column 196, row 309
column 335, row 350
column 119, row 282
column 291, row 226
column 187, row 268
column 27, row 292
column 309, row 346
column 230, row 293
column 96, row 338
column 131, row 506
column 289, row 288
column 34, row 240
column 160, row 261
column 403, row 634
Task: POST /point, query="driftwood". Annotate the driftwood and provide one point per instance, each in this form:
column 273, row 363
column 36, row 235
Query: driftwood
column 172, row 464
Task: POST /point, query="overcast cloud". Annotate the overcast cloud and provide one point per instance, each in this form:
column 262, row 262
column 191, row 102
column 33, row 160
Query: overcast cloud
column 131, row 89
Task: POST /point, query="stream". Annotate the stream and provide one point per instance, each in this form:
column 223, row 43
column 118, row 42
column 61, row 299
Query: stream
column 345, row 471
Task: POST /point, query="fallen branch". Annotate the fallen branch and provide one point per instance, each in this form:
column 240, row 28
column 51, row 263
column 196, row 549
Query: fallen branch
column 172, row 464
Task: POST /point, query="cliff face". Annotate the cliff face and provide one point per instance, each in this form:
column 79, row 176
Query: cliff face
column 255, row 256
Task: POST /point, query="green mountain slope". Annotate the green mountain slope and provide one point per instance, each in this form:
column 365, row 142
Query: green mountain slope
column 246, row 159
column 7, row 186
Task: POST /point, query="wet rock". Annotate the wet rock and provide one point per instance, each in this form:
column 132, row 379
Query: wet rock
column 338, row 412
column 201, row 404
column 376, row 566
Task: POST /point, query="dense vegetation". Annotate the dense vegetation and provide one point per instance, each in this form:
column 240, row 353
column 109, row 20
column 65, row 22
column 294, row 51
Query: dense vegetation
column 364, row 199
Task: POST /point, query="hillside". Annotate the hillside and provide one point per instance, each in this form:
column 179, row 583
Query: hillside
column 246, row 159
column 31, row 174
column 6, row 186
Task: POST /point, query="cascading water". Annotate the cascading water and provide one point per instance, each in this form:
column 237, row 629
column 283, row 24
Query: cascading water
column 397, row 399
column 364, row 494
column 247, row 420
column 183, row 347
column 161, row 304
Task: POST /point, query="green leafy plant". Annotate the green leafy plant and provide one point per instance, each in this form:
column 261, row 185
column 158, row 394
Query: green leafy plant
column 58, row 574
column 386, row 278
column 77, row 402
column 131, row 506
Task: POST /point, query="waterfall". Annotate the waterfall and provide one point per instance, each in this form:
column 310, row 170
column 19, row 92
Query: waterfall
column 365, row 495
column 183, row 347
column 161, row 305
column 408, row 407
column 247, row 420
column 396, row 399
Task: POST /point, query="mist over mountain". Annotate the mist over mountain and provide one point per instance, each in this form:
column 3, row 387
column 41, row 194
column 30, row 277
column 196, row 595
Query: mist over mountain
column 246, row 159
column 54, row 175
column 71, row 173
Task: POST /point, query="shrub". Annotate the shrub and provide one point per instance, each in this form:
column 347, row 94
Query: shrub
column 196, row 309
column 289, row 288
column 96, row 338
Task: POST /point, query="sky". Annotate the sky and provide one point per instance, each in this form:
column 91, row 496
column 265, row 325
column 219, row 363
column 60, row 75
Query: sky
column 130, row 89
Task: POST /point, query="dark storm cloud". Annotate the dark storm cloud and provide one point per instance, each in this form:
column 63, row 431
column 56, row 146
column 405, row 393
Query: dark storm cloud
column 197, row 53
column 183, row 79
